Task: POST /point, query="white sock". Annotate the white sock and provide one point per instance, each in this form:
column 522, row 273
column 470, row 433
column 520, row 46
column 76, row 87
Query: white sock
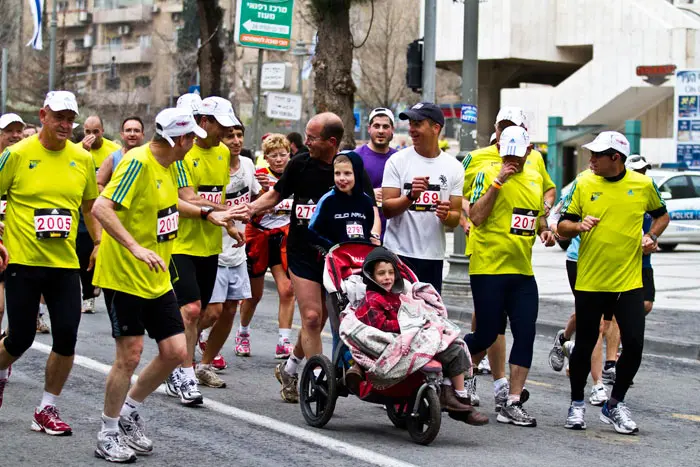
column 513, row 398
column 47, row 399
column 130, row 406
column 189, row 372
column 284, row 333
column 244, row 329
column 447, row 381
column 43, row 309
column 3, row 373
column 463, row 393
column 109, row 425
column 204, row 335
column 292, row 365
column 499, row 384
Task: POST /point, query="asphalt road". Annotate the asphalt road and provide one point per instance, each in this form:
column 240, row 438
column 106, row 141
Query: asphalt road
column 247, row 424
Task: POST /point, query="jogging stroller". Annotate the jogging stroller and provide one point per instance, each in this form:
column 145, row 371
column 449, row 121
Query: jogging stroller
column 413, row 404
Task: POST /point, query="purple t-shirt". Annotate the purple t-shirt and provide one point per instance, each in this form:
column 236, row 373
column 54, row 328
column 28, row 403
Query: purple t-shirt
column 374, row 165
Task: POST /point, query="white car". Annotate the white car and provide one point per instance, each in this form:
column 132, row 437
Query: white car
column 681, row 191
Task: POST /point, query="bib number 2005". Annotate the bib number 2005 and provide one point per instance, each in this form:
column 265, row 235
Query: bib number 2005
column 523, row 222
column 52, row 223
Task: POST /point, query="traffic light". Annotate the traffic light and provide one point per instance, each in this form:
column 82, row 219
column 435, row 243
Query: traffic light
column 414, row 66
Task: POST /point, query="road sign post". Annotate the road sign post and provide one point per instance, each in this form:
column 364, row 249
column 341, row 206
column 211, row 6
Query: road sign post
column 265, row 24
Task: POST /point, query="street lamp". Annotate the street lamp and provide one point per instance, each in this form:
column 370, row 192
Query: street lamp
column 300, row 51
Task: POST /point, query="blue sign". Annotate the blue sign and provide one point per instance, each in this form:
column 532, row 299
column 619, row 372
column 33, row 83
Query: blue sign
column 468, row 113
column 358, row 117
column 194, row 89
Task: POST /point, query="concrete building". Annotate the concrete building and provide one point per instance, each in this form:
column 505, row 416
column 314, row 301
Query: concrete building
column 577, row 59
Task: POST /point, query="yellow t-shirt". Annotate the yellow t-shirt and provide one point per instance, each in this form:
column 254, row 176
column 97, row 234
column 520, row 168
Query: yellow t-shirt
column 45, row 190
column 478, row 160
column 107, row 148
column 502, row 244
column 206, row 171
column 610, row 255
column 146, row 196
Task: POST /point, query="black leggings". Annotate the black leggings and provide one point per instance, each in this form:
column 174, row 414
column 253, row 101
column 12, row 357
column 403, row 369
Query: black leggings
column 514, row 295
column 84, row 247
column 628, row 309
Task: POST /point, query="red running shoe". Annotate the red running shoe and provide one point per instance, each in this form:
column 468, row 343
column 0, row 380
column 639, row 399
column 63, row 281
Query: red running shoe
column 48, row 421
column 218, row 363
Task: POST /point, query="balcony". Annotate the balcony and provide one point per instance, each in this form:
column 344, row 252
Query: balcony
column 123, row 54
column 74, row 19
column 124, row 99
column 77, row 58
column 126, row 12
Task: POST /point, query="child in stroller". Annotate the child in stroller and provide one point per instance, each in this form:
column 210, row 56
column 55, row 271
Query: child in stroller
column 380, row 309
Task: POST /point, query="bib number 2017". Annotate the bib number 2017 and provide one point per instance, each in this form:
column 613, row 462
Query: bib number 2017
column 168, row 219
column 523, row 222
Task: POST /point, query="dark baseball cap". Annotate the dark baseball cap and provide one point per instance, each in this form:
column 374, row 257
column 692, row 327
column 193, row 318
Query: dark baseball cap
column 424, row 110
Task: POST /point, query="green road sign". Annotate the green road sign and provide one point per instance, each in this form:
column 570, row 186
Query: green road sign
column 264, row 24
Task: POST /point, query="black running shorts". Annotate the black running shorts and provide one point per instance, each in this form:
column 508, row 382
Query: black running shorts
column 132, row 316
column 193, row 278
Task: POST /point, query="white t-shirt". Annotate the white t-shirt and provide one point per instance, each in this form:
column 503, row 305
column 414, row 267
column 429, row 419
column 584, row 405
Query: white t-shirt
column 281, row 213
column 418, row 232
column 241, row 189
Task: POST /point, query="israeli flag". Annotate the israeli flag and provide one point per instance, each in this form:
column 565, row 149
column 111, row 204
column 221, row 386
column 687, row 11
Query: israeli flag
column 36, row 6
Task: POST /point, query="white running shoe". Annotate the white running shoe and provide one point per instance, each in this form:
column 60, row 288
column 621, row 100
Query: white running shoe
column 598, row 395
column 112, row 447
column 89, row 306
column 575, row 419
column 189, row 392
column 557, row 355
column 620, row 418
column 484, row 367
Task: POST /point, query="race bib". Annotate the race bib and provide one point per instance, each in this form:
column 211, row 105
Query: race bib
column 427, row 201
column 523, row 222
column 354, row 230
column 3, row 205
column 211, row 193
column 304, row 211
column 284, row 207
column 239, row 197
column 52, row 223
column 167, row 224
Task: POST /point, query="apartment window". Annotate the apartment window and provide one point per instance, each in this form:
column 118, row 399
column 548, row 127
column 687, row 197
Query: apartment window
column 62, row 5
column 142, row 81
column 81, row 5
column 78, row 44
column 145, row 41
column 115, row 42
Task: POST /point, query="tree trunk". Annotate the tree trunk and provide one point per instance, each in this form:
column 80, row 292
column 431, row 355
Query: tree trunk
column 210, row 57
column 334, row 88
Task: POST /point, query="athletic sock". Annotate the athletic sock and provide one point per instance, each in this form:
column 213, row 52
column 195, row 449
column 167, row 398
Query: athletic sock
column 499, row 384
column 513, row 398
column 47, row 399
column 130, row 406
column 189, row 372
column 578, row 403
column 109, row 425
column 463, row 393
column 284, row 333
column 609, row 364
column 292, row 365
column 244, row 329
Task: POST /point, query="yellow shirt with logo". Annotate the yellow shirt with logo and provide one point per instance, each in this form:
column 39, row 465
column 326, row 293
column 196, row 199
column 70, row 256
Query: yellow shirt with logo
column 478, row 160
column 45, row 190
column 502, row 244
column 107, row 148
column 206, row 171
column 610, row 255
column 145, row 193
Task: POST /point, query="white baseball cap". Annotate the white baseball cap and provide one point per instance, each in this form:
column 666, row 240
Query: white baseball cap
column 382, row 111
column 190, row 101
column 492, row 139
column 609, row 140
column 221, row 109
column 637, row 162
column 512, row 114
column 61, row 100
column 177, row 122
column 10, row 118
column 514, row 142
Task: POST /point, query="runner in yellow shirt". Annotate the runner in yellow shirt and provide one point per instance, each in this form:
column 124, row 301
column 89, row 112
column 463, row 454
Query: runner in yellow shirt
column 139, row 210
column 47, row 181
column 94, row 141
column 507, row 214
column 202, row 177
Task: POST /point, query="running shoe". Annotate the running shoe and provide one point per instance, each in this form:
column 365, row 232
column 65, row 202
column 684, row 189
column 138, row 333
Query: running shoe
column 242, row 344
column 609, row 376
column 575, row 419
column 113, row 447
column 133, row 428
column 89, row 306
column 172, row 384
column 568, row 348
column 556, row 355
column 470, row 387
column 41, row 326
column 3, row 383
column 619, row 417
column 501, row 398
column 189, row 392
column 207, row 377
column 290, row 383
column 515, row 414
column 200, row 348
column 218, row 363
column 3, row 334
column 283, row 349
column 484, row 367
column 49, row 421
column 598, row 395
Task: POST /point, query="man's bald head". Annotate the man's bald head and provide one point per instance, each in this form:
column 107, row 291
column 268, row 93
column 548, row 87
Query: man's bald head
column 331, row 126
column 323, row 134
column 93, row 127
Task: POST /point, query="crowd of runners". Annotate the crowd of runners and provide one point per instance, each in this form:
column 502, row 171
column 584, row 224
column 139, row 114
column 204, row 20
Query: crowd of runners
column 178, row 232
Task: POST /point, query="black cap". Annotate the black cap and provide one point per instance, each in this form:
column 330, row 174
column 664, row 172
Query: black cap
column 424, row 110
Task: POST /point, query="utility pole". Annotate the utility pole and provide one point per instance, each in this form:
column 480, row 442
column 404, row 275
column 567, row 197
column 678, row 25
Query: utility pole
column 52, row 45
column 5, row 56
column 429, row 38
column 457, row 280
column 256, row 109
column 301, row 52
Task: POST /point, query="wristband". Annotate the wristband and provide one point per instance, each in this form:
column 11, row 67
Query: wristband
column 205, row 211
column 496, row 185
column 497, row 182
column 653, row 237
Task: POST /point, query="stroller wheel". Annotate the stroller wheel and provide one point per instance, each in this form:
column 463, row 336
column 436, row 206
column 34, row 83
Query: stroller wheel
column 426, row 425
column 318, row 391
column 398, row 413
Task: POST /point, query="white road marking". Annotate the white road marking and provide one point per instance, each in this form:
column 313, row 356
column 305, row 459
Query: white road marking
column 307, row 436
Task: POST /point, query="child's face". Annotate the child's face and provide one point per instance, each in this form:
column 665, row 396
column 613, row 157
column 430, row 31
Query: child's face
column 384, row 275
column 233, row 139
column 344, row 176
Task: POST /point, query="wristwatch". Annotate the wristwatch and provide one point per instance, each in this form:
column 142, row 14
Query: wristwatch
column 375, row 236
column 653, row 237
column 205, row 211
